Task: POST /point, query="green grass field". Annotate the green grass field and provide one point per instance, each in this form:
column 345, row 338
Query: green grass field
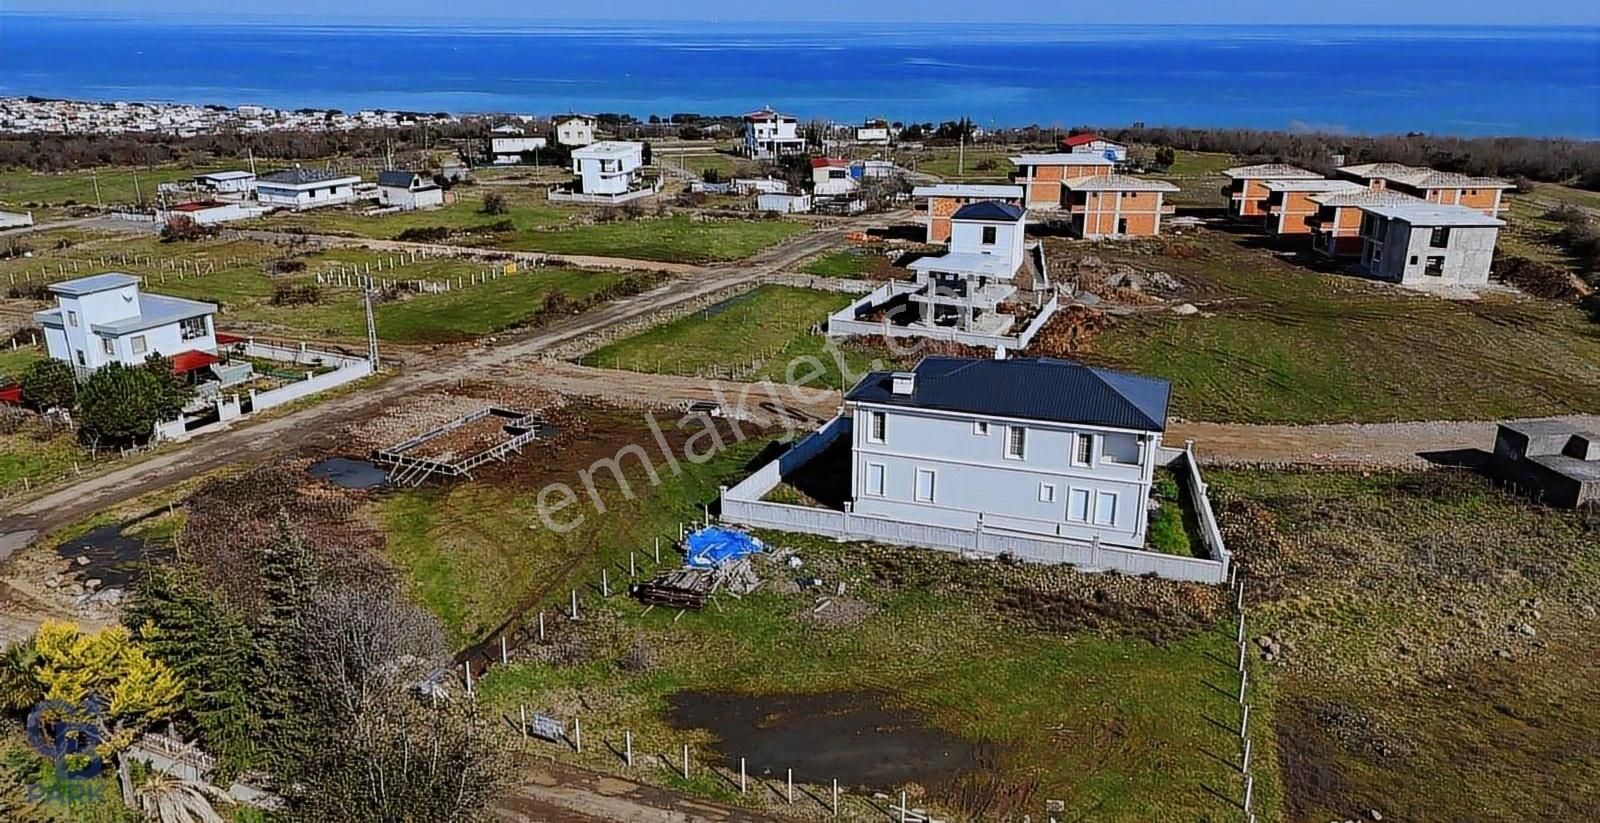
column 24, row 457
column 1278, row 343
column 675, row 239
column 988, row 164
column 1409, row 685
column 13, row 362
column 526, row 208
column 771, row 324
column 845, row 263
column 19, row 187
column 1113, row 723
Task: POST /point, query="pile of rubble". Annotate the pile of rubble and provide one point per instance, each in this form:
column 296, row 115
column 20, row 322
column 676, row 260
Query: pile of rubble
column 1102, row 281
column 1069, row 332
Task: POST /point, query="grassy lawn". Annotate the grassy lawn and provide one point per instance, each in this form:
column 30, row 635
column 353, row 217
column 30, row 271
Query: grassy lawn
column 1278, row 343
column 526, row 208
column 1200, row 164
column 13, row 362
column 845, row 263
column 1408, row 683
column 675, row 239
column 986, row 164
column 755, row 335
column 24, row 457
column 1114, row 722
column 19, row 187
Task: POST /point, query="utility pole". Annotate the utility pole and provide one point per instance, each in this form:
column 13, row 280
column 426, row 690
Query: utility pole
column 961, row 152
column 372, row 328
column 251, row 153
column 138, row 198
column 97, row 202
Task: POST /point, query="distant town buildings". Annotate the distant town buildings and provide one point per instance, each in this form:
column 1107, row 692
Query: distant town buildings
column 20, row 114
column 873, row 133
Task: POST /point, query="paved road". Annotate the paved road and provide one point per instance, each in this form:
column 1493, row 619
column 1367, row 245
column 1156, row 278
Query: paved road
column 257, row 439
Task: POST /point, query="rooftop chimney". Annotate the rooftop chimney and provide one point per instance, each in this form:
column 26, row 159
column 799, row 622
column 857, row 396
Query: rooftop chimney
column 904, row 383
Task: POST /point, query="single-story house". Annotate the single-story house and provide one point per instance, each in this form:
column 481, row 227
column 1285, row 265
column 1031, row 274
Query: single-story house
column 1042, row 175
column 1117, row 205
column 105, row 318
column 1486, row 194
column 303, row 188
column 783, row 203
column 830, row 178
column 209, row 212
column 408, row 190
column 510, row 150
column 944, row 199
column 873, row 132
column 1425, row 244
column 227, row 182
column 1247, row 189
column 1095, row 144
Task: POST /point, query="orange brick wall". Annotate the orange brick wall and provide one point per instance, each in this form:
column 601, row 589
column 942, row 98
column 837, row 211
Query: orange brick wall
column 1297, row 207
column 1046, row 188
column 1255, row 196
column 1098, row 214
column 1480, row 199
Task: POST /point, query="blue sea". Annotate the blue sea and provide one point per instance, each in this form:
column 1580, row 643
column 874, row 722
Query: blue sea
column 1469, row 81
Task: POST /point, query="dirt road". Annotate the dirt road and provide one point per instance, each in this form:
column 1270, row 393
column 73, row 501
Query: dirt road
column 259, row 439
column 553, row 793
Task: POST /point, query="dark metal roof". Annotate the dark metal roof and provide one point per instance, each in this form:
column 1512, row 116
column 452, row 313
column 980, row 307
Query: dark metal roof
column 1029, row 388
column 989, row 210
column 300, row 176
column 396, row 178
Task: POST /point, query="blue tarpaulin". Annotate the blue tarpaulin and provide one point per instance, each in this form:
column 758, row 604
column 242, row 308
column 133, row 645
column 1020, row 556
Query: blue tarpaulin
column 713, row 546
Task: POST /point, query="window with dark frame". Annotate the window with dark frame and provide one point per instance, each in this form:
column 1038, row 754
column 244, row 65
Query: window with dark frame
column 880, row 426
column 1435, row 267
column 990, row 235
column 1440, row 238
column 1016, row 442
column 1085, row 450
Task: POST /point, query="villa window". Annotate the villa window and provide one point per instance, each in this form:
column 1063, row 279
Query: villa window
column 192, row 327
column 1435, row 267
column 990, row 235
column 108, row 345
column 1440, row 237
column 1047, row 493
column 925, row 479
column 72, row 318
column 1105, row 509
column 138, row 344
column 875, row 479
column 878, row 426
column 1083, row 452
column 82, row 361
column 1078, row 506
column 1016, row 442
column 980, row 428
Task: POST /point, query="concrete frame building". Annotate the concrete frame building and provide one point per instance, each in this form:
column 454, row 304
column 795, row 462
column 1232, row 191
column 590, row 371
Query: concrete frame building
column 945, row 199
column 1425, row 245
column 1042, row 175
column 1336, row 227
column 1290, row 207
column 1485, row 194
column 1117, row 206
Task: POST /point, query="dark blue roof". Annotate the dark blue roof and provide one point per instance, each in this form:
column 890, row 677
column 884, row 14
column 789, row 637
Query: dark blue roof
column 989, row 210
column 1029, row 388
column 396, row 178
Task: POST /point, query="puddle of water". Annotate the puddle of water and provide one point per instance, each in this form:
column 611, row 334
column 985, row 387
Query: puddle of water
column 115, row 559
column 350, row 474
column 718, row 308
column 851, row 736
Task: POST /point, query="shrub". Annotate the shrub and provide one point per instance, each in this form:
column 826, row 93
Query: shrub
column 180, row 228
column 287, row 294
column 424, row 234
column 49, row 384
column 494, row 203
column 119, row 405
column 286, row 266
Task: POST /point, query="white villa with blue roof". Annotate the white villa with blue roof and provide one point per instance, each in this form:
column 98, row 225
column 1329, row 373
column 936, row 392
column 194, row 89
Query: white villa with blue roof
column 1031, row 445
column 1038, row 459
column 105, row 318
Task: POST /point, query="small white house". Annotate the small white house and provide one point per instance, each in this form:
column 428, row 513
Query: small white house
column 105, row 318
column 510, row 150
column 784, row 203
column 408, row 190
column 302, row 188
column 1425, row 244
column 609, row 167
column 227, row 182
column 210, row 212
column 830, row 178
column 873, row 133
column 575, row 129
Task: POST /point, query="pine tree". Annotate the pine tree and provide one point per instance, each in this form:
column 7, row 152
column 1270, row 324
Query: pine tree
column 210, row 646
column 288, row 588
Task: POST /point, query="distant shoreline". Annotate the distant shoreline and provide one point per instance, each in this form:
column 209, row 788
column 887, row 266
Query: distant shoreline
column 1358, row 80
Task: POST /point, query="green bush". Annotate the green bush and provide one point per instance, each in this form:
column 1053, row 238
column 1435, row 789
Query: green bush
column 49, row 384
column 119, row 405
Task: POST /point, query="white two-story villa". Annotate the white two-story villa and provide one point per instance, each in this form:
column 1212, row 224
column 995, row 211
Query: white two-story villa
column 105, row 318
column 1033, row 445
column 963, row 288
column 770, row 134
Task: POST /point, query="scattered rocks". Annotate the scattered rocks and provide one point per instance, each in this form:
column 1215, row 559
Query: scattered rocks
column 1185, row 309
column 83, row 560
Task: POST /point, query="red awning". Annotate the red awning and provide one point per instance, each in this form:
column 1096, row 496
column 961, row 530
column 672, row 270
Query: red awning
column 11, row 394
column 225, row 339
column 188, row 361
